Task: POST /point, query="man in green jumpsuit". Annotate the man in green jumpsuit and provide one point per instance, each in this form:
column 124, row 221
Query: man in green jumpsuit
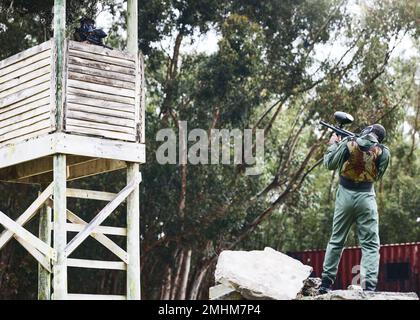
column 360, row 161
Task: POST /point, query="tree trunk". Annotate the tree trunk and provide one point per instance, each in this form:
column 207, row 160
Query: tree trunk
column 176, row 280
column 166, row 285
column 195, row 287
column 183, row 282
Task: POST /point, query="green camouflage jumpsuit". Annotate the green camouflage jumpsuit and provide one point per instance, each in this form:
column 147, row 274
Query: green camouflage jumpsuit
column 354, row 206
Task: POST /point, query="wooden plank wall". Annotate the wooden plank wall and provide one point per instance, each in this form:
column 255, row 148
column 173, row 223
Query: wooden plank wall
column 142, row 107
column 100, row 99
column 25, row 88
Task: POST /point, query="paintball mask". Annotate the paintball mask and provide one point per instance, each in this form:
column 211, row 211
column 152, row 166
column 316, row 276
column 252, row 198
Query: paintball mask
column 376, row 129
column 88, row 32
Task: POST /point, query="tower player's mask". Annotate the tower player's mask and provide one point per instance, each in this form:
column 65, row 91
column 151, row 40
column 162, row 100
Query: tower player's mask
column 88, row 32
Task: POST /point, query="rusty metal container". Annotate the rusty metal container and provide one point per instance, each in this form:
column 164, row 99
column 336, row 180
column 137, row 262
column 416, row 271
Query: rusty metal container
column 399, row 268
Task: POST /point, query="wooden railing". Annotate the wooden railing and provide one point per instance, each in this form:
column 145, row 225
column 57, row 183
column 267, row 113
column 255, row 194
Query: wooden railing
column 103, row 93
column 26, row 104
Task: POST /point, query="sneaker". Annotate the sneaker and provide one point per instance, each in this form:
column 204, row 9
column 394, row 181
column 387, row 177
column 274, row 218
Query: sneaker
column 369, row 286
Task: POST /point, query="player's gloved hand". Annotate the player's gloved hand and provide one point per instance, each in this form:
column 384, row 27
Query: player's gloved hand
column 334, row 138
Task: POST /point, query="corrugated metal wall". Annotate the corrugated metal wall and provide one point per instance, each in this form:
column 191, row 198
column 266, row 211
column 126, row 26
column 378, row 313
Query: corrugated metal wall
column 399, row 268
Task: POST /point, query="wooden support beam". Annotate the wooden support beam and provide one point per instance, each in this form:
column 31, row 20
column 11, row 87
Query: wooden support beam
column 132, row 27
column 24, row 234
column 93, row 167
column 96, row 264
column 80, row 169
column 25, row 170
column 133, row 202
column 44, row 262
column 60, row 232
column 60, row 142
column 90, row 194
column 99, row 148
column 133, row 235
column 59, row 44
column 78, row 225
column 102, row 215
column 28, row 214
column 115, row 231
column 26, row 150
column 104, row 240
column 44, row 271
column 41, row 258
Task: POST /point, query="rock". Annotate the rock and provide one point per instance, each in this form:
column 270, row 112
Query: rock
column 224, row 292
column 310, row 287
column 354, row 287
column 353, row 292
column 262, row 274
column 391, row 296
column 269, row 274
column 364, row 295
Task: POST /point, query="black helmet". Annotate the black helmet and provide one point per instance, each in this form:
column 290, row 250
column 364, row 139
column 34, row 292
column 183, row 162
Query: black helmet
column 379, row 131
column 88, row 32
column 376, row 129
column 87, row 24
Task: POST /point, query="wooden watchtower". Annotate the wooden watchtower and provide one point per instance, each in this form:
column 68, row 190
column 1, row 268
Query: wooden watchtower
column 70, row 110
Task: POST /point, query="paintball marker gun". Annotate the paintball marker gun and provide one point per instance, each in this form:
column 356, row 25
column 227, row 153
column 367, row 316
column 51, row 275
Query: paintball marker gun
column 87, row 32
column 342, row 118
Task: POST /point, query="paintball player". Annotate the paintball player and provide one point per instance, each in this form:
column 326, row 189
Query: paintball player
column 361, row 161
column 87, row 32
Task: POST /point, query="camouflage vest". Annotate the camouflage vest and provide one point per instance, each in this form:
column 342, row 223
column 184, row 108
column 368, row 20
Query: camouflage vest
column 361, row 165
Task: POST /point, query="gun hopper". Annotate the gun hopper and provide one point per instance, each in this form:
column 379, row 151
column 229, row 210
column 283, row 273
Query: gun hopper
column 342, row 118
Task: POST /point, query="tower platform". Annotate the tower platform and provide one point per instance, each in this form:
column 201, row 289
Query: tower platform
column 102, row 120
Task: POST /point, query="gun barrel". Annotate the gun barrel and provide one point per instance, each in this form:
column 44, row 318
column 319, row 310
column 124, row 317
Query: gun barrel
column 342, row 132
column 97, row 41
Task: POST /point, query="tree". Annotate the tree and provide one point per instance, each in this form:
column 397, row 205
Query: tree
column 261, row 72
